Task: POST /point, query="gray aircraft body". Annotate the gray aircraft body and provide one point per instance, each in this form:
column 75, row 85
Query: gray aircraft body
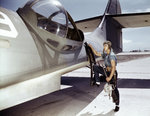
column 40, row 42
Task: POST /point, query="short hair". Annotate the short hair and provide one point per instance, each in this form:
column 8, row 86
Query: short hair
column 108, row 43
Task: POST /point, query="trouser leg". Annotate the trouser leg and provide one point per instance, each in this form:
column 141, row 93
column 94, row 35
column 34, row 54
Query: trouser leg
column 115, row 92
column 97, row 70
column 115, row 96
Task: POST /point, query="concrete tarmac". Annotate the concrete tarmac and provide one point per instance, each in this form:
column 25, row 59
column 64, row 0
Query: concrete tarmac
column 78, row 98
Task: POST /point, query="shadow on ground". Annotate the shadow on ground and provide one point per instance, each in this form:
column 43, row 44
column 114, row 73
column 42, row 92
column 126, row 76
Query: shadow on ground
column 134, row 83
column 71, row 100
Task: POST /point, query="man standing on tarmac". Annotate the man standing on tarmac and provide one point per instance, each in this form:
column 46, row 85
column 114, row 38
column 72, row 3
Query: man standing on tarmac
column 109, row 73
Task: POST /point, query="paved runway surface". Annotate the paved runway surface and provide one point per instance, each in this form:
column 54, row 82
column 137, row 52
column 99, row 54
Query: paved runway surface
column 78, row 98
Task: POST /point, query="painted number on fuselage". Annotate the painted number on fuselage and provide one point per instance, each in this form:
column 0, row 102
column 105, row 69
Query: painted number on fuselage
column 5, row 20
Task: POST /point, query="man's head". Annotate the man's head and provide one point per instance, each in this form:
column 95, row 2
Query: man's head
column 107, row 45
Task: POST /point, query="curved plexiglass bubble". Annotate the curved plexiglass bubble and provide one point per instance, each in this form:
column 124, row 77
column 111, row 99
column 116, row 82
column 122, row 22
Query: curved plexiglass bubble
column 51, row 16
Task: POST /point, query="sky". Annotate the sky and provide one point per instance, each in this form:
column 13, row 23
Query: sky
column 133, row 38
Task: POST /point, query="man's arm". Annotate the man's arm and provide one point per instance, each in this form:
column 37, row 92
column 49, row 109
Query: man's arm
column 95, row 52
column 113, row 68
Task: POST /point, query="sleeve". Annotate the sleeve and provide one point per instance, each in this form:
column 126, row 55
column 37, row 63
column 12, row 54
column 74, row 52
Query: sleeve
column 113, row 57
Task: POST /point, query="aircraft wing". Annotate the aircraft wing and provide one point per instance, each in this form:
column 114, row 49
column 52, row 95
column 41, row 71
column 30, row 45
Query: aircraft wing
column 131, row 20
column 88, row 25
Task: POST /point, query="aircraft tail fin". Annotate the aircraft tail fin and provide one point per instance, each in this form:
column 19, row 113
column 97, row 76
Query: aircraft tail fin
column 113, row 28
column 113, row 7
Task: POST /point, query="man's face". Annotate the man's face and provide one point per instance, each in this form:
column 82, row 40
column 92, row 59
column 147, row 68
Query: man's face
column 105, row 47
